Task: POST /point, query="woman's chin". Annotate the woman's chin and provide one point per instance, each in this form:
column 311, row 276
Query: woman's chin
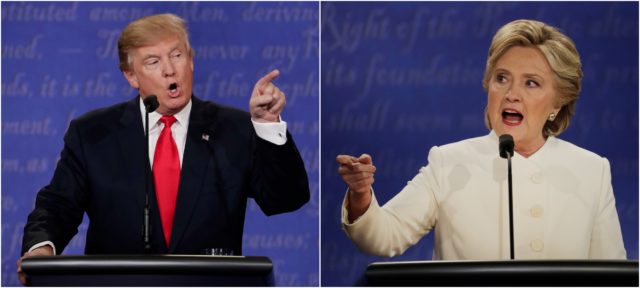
column 502, row 129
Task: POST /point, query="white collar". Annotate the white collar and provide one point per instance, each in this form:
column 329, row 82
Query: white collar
column 154, row 117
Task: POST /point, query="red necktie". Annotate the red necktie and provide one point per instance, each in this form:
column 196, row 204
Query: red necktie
column 166, row 173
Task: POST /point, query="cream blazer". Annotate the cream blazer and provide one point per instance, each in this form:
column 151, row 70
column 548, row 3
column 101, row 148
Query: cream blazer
column 563, row 206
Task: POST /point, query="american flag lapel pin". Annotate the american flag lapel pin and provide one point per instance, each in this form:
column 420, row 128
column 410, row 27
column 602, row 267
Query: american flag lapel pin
column 205, row 136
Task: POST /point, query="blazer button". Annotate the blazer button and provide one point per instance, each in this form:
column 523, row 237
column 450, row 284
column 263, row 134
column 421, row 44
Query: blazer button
column 537, row 177
column 536, row 211
column 537, row 245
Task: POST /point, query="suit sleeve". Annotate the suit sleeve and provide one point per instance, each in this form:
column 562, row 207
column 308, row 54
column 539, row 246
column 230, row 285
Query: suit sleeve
column 59, row 206
column 393, row 228
column 279, row 180
column 606, row 237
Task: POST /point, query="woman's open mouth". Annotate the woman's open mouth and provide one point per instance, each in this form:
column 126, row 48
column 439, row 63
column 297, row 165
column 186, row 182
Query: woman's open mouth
column 511, row 117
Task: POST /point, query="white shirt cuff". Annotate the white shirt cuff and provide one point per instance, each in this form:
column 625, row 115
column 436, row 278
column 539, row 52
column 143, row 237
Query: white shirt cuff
column 43, row 244
column 275, row 132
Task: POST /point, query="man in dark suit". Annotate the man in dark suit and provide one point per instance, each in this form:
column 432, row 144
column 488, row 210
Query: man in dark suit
column 206, row 160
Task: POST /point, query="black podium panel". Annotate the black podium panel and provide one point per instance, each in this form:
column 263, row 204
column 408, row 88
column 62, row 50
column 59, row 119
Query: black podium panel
column 504, row 273
column 148, row 270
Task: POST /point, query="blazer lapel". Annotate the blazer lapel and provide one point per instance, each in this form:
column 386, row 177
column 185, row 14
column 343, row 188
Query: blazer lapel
column 194, row 167
column 132, row 146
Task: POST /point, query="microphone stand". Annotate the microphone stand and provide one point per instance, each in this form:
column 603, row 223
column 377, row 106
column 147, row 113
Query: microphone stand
column 146, row 228
column 505, row 146
column 510, row 207
column 150, row 105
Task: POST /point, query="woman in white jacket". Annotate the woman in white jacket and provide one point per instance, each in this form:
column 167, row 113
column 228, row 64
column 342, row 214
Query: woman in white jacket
column 563, row 202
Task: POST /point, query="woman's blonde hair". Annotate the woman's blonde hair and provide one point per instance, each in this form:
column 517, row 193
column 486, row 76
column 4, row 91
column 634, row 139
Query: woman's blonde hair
column 561, row 54
column 148, row 30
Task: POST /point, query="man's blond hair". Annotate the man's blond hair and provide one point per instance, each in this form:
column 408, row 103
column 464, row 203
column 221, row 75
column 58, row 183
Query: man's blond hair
column 147, row 31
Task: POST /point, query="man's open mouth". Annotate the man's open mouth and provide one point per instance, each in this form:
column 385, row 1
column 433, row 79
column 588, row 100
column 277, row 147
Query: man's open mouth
column 173, row 89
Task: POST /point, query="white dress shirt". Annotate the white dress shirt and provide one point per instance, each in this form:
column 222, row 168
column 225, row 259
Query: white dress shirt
column 275, row 133
column 563, row 206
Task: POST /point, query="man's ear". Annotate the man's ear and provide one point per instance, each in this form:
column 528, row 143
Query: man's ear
column 132, row 78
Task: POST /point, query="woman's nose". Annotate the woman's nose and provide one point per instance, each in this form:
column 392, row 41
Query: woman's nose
column 513, row 95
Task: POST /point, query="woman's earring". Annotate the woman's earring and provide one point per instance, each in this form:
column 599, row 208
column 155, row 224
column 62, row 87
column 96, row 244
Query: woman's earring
column 552, row 117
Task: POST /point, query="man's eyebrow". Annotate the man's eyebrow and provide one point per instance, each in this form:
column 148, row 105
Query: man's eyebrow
column 149, row 56
column 176, row 47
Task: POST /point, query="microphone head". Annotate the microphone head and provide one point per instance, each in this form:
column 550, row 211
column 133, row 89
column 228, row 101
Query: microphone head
column 151, row 103
column 506, row 145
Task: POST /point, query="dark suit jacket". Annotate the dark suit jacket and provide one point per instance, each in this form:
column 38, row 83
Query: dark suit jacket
column 101, row 172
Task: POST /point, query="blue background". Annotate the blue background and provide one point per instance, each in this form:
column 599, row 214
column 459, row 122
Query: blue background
column 59, row 61
column 370, row 106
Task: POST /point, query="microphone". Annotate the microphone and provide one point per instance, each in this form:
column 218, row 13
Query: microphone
column 150, row 105
column 505, row 147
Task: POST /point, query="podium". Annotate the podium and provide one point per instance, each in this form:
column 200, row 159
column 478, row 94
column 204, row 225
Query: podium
column 504, row 273
column 148, row 270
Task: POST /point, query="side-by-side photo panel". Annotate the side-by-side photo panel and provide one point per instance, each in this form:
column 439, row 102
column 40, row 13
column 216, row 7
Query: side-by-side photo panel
column 221, row 189
column 476, row 131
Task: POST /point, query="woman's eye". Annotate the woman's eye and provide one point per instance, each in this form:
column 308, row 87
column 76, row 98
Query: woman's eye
column 501, row 78
column 532, row 83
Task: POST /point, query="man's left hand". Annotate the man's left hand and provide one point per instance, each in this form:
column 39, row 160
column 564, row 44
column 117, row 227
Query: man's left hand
column 267, row 101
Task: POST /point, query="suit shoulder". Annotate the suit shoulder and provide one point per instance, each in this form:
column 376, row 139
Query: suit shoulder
column 574, row 153
column 226, row 120
column 476, row 145
column 463, row 144
column 225, row 112
column 99, row 124
column 476, row 150
column 108, row 114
